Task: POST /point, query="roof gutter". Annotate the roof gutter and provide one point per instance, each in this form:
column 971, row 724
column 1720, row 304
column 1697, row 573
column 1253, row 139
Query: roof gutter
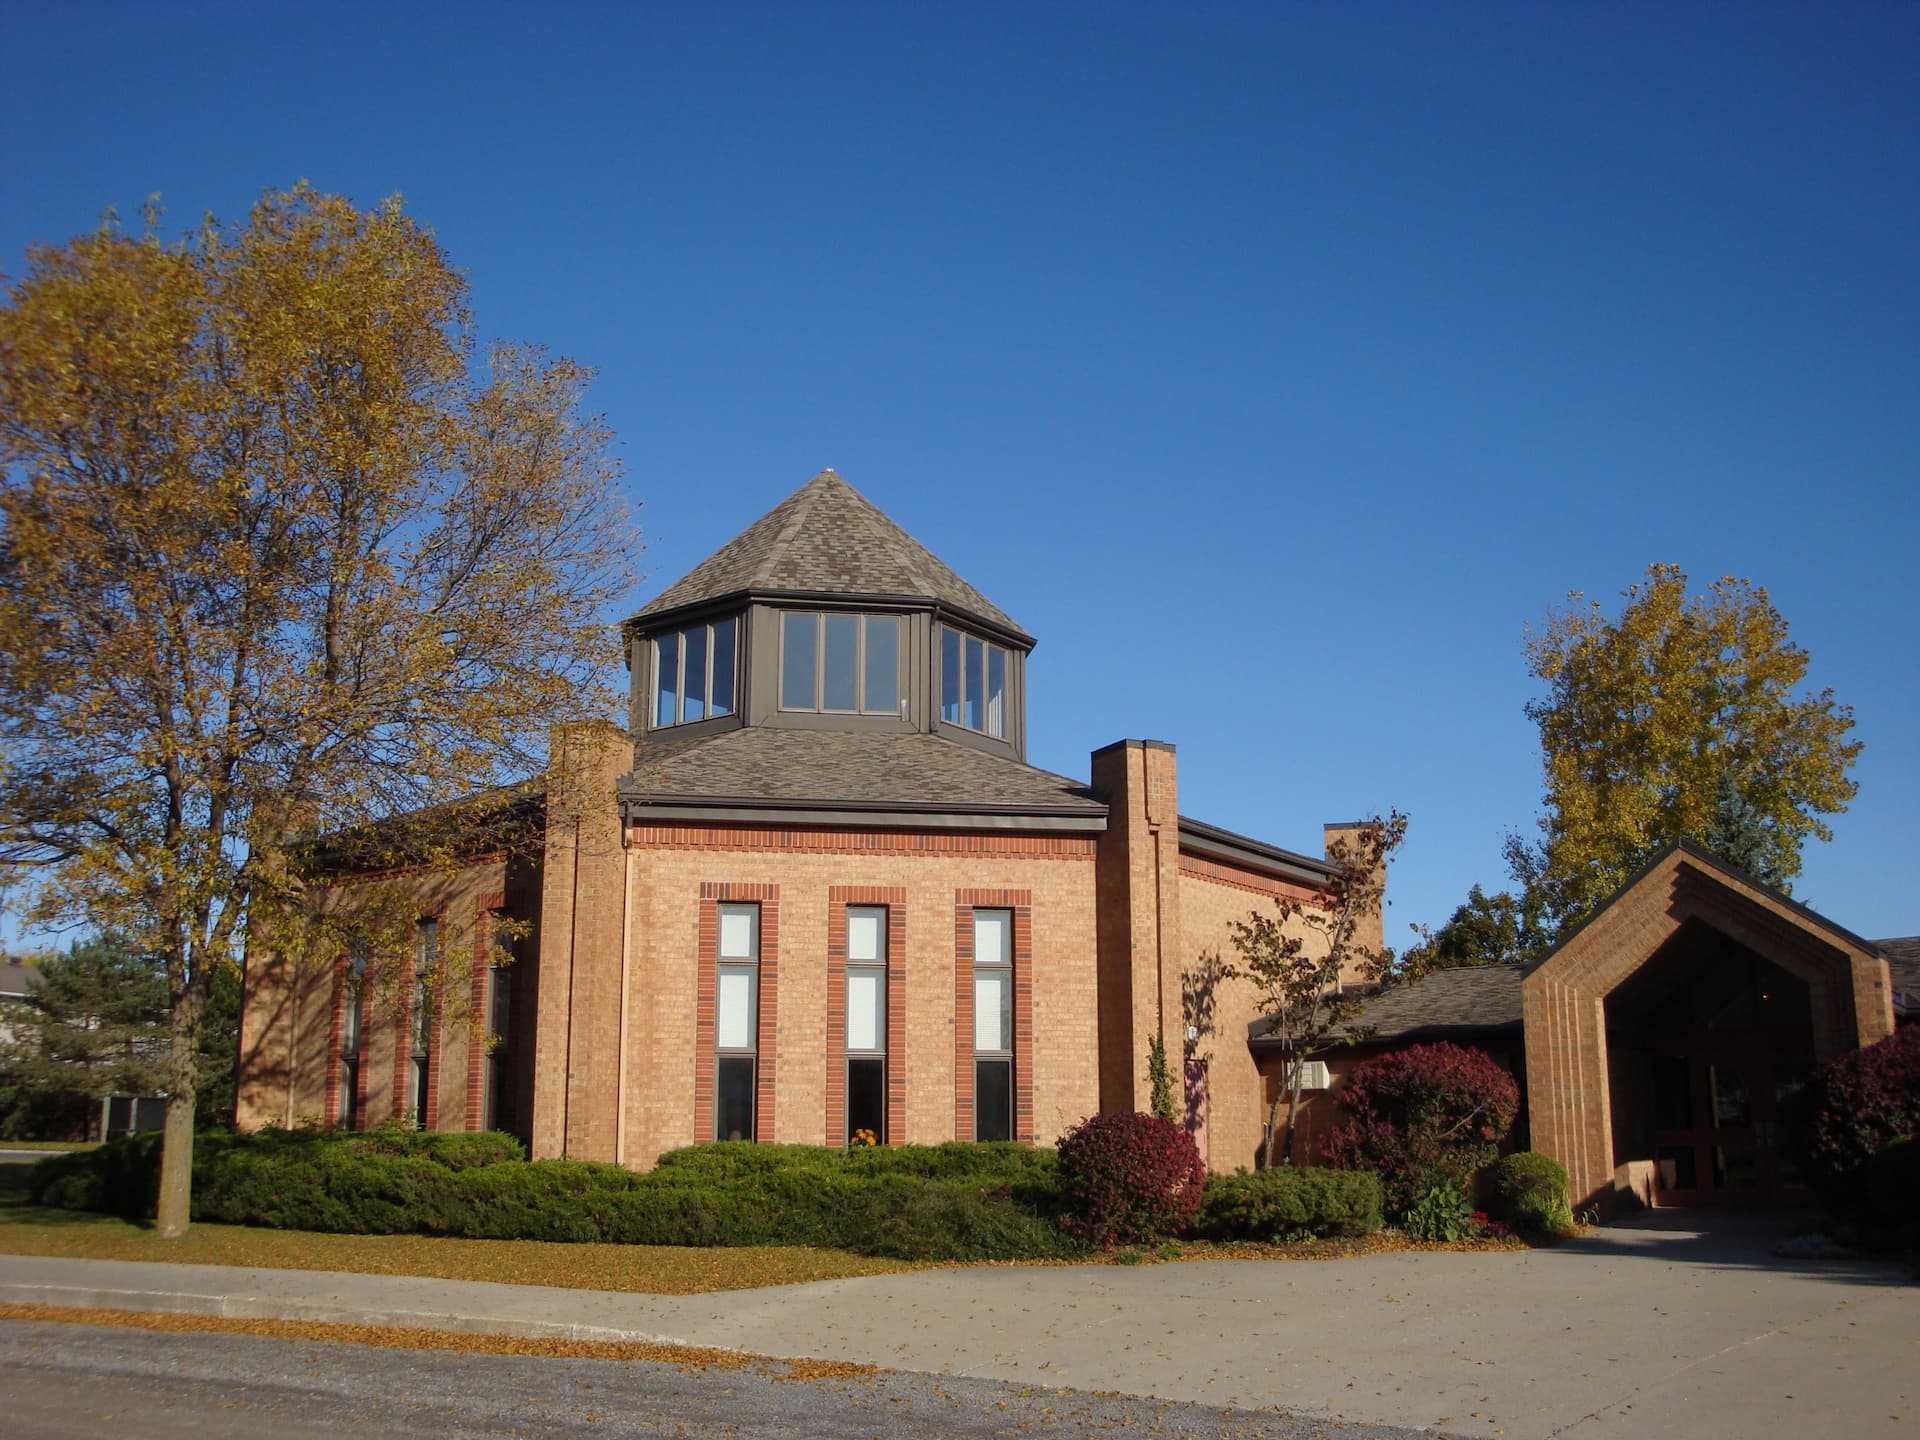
column 1213, row 843
column 648, row 621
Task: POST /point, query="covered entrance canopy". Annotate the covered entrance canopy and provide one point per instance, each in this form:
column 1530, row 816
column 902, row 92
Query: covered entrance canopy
column 1666, row 1037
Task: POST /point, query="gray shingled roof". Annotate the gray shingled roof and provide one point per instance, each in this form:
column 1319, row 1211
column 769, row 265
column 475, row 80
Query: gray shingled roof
column 829, row 769
column 13, row 979
column 826, row 537
column 1903, row 959
column 1473, row 1000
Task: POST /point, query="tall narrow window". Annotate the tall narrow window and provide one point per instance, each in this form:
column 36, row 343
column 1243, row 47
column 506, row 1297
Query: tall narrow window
column 737, row 1021
column 348, row 1113
column 667, row 694
column 500, row 1113
column 881, row 692
column 973, row 683
column 950, row 685
column 693, row 673
column 425, row 955
column 866, row 1024
column 799, row 660
column 993, row 1024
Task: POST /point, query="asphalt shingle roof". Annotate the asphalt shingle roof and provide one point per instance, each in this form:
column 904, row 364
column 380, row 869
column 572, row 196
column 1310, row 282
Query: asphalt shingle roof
column 1903, row 959
column 826, row 537
column 831, row 769
column 1445, row 1002
column 13, row 979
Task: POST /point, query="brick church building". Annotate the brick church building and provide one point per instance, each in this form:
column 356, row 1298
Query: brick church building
column 813, row 889
column 815, row 893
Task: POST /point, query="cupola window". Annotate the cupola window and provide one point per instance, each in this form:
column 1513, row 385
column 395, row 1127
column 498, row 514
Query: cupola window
column 840, row 663
column 973, row 683
column 693, row 673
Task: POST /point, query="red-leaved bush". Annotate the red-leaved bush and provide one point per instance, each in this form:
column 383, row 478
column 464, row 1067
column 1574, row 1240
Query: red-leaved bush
column 1857, row 1106
column 1129, row 1179
column 1425, row 1116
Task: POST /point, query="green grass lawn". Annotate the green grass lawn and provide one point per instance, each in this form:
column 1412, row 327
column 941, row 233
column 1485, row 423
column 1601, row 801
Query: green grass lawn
column 647, row 1269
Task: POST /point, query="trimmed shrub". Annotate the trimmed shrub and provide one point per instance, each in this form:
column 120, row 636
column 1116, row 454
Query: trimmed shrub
column 1441, row 1214
column 1425, row 1116
column 1528, row 1191
column 946, row 1202
column 1129, row 1179
column 1893, row 1185
column 1857, row 1106
column 1289, row 1201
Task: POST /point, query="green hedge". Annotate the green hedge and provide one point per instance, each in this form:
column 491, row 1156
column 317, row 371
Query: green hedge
column 1289, row 1201
column 1528, row 1190
column 943, row 1202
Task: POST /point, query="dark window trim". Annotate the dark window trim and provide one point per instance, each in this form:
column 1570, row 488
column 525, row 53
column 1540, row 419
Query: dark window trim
column 751, row 1050
column 941, row 630
column 679, row 634
column 902, row 645
column 1006, row 1053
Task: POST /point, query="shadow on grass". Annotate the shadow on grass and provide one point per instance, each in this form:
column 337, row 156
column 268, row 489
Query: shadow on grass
column 16, row 1209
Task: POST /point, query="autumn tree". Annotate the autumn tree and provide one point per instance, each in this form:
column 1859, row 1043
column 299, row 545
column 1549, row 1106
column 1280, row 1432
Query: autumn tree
column 1685, row 717
column 1680, row 716
column 1313, row 963
column 284, row 553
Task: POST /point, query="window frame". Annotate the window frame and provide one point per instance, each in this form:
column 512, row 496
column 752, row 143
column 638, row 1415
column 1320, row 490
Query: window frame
column 499, row 1025
column 1009, row 1012
column 352, row 1040
column 710, row 671
column 872, row 967
column 965, row 669
column 896, row 708
column 750, row 1052
column 420, row 1036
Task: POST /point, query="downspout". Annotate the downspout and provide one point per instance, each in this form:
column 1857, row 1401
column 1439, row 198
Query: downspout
column 626, row 968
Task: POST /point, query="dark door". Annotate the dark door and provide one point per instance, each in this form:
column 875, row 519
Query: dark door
column 1724, row 1124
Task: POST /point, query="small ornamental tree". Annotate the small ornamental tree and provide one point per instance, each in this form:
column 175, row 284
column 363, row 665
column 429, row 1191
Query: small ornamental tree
column 1129, row 1179
column 1857, row 1106
column 1314, row 963
column 1424, row 1116
column 1160, row 1079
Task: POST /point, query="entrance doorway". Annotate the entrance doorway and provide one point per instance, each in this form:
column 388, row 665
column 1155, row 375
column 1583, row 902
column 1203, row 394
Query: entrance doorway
column 1710, row 1047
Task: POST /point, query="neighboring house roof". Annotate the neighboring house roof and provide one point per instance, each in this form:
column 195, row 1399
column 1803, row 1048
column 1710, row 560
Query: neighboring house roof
column 1477, row 1000
column 1903, row 960
column 826, row 538
column 828, row 770
column 13, row 979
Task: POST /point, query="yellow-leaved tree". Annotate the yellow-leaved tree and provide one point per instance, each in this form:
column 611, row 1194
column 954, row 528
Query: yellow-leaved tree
column 283, row 554
column 1684, row 716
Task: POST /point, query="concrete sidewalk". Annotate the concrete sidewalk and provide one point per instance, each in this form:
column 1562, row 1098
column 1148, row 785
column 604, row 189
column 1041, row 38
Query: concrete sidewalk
column 1635, row 1326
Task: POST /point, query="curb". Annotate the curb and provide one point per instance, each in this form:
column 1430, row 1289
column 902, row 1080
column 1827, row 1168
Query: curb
column 247, row 1307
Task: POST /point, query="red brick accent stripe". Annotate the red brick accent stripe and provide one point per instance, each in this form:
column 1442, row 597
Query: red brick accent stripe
column 712, row 894
column 839, row 897
column 1020, row 902
column 991, row 844
column 1198, row 868
column 480, row 1024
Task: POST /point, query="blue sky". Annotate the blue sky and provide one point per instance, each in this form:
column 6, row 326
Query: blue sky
column 1274, row 365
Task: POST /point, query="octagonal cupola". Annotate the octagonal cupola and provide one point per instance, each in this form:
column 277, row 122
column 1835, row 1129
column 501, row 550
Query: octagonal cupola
column 825, row 615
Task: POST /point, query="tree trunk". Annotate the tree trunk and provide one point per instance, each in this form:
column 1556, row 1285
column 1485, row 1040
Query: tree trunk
column 176, row 1169
column 175, row 1202
column 1273, row 1121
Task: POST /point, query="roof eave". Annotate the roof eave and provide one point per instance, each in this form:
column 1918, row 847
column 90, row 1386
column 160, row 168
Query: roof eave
column 645, row 621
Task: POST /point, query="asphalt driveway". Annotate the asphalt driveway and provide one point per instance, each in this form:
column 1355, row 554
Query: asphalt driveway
column 1657, row 1327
